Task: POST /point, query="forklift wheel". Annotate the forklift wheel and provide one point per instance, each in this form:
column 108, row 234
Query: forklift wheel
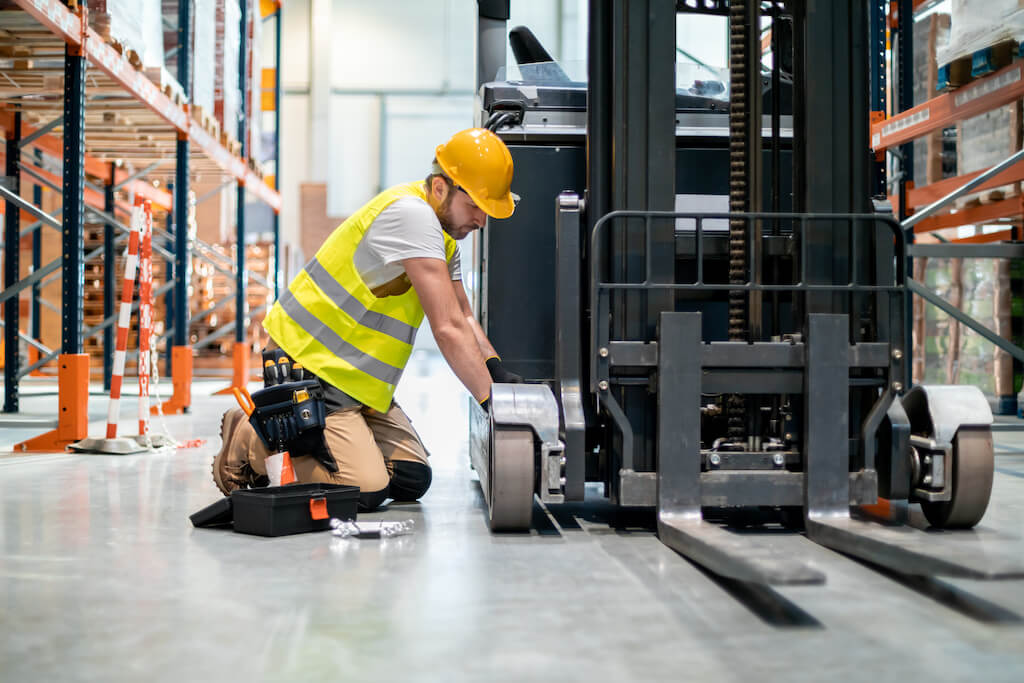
column 510, row 503
column 973, row 462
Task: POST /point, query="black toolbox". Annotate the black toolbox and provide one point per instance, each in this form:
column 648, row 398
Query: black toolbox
column 282, row 510
column 292, row 509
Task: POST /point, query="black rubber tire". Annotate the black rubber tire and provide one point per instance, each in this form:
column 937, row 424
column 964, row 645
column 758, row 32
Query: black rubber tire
column 973, row 463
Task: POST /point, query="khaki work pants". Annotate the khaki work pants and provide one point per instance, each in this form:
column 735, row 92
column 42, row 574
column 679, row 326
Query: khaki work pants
column 373, row 451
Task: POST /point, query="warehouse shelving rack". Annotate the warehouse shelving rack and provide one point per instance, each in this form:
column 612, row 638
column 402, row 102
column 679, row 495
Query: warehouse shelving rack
column 929, row 208
column 130, row 120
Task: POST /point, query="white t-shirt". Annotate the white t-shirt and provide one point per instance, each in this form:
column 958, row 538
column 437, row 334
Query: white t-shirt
column 407, row 228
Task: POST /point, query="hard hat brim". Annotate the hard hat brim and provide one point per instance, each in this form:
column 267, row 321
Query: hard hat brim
column 503, row 207
column 495, row 208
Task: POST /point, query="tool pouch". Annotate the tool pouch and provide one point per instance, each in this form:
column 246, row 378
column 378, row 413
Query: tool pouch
column 291, row 416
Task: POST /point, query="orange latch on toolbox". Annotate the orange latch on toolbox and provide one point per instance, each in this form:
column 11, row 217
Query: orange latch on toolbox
column 318, row 508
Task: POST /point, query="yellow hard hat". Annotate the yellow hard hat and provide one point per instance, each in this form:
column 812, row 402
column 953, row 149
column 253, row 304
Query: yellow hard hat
column 479, row 162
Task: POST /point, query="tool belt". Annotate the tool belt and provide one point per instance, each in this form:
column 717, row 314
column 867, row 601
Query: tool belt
column 290, row 416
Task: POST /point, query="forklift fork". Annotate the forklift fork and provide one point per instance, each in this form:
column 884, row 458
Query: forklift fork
column 827, row 493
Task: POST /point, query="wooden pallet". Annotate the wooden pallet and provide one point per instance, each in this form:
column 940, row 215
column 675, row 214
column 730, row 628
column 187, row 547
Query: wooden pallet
column 983, row 198
column 207, row 120
column 228, row 142
column 962, row 71
column 131, row 55
column 993, row 58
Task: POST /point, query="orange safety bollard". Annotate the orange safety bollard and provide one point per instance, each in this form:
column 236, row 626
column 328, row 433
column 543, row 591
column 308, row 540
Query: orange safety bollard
column 181, row 377
column 240, row 363
column 33, row 358
column 73, row 400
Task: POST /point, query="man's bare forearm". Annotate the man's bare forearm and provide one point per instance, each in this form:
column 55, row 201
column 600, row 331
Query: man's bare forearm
column 486, row 348
column 463, row 354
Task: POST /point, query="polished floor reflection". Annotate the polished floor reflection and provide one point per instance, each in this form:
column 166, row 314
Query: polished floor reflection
column 103, row 578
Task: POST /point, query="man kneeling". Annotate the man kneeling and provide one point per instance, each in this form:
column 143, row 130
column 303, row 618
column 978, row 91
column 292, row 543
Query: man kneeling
column 350, row 318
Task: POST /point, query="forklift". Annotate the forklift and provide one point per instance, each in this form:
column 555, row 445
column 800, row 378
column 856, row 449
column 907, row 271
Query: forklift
column 709, row 304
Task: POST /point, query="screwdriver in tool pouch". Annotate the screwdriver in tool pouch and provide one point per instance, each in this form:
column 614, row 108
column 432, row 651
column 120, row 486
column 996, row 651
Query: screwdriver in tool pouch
column 269, row 369
column 284, row 368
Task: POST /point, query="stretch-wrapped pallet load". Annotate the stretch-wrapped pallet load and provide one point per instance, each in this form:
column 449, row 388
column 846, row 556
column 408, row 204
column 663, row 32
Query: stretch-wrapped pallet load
column 169, row 10
column 205, row 39
column 153, row 39
column 200, row 49
column 151, row 33
column 227, row 98
column 120, row 22
column 980, row 24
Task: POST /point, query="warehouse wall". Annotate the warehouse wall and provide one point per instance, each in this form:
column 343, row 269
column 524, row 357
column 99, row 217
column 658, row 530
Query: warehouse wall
column 371, row 88
column 295, row 121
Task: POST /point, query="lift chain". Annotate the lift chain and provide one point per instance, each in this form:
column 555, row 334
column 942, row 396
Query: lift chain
column 738, row 130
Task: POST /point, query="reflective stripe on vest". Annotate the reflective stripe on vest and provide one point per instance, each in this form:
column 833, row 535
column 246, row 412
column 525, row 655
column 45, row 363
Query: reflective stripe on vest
column 330, row 321
column 336, row 345
column 351, row 305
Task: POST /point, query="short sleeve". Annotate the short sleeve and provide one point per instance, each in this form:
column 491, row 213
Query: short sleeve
column 407, row 228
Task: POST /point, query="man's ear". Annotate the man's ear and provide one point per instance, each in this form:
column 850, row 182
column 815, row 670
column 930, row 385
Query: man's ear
column 438, row 188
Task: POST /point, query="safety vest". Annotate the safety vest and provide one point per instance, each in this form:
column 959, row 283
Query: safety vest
column 329, row 321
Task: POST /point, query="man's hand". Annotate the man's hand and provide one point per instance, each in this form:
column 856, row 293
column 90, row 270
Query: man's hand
column 499, row 374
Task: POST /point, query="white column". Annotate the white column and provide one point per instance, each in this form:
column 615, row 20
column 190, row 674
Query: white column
column 320, row 138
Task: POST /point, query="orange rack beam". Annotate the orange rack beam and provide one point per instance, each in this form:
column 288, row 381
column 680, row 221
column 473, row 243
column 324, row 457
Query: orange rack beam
column 1000, row 236
column 922, row 196
column 972, row 215
column 978, row 97
column 68, row 26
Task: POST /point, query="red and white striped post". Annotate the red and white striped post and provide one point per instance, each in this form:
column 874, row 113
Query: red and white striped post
column 124, row 319
column 145, row 314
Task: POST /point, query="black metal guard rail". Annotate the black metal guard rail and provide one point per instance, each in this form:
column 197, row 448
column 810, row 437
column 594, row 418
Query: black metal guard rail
column 600, row 290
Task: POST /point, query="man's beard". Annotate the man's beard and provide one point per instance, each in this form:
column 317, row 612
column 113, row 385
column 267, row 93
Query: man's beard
column 444, row 212
column 444, row 215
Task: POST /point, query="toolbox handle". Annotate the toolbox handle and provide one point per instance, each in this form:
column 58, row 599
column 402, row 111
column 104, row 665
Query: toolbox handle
column 318, row 508
column 244, row 400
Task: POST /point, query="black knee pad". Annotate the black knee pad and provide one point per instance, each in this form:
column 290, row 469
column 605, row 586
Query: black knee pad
column 410, row 480
column 371, row 500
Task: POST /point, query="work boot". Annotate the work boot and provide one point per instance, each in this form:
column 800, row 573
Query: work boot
column 231, row 469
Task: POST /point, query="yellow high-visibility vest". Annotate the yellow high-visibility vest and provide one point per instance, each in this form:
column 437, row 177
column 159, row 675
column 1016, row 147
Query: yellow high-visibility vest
column 329, row 321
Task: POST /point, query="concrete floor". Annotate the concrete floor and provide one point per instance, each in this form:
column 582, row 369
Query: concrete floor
column 102, row 577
